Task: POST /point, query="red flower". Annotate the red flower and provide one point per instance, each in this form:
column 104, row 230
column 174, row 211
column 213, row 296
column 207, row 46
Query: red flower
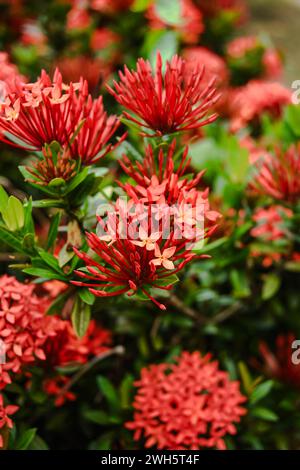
column 40, row 112
column 279, row 364
column 145, row 241
column 270, row 223
column 189, row 405
column 165, row 102
column 23, row 327
column 278, row 176
column 191, row 24
column 92, row 141
column 5, row 420
column 66, row 348
column 248, row 103
column 57, row 387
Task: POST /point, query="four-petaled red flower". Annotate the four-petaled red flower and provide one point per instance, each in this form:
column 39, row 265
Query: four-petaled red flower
column 186, row 405
column 165, row 102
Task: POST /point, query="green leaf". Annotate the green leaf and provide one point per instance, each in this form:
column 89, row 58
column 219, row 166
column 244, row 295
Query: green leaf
column 11, row 240
column 50, row 260
column 80, row 317
column 25, row 440
column 58, row 304
column 167, row 281
column 86, row 296
column 265, row 414
column 271, row 286
column 261, row 391
column 53, row 230
column 3, row 199
column 28, row 242
column 292, row 118
column 169, row 11
column 56, row 183
column 13, row 214
column 38, row 444
column 45, row 203
column 108, row 391
column 79, row 178
column 166, row 44
column 100, row 417
column 44, row 273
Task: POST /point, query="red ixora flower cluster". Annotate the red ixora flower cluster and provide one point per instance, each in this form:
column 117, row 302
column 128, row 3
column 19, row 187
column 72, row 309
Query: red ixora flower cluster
column 148, row 239
column 188, row 405
column 278, row 364
column 48, row 110
column 29, row 336
column 257, row 97
column 166, row 102
column 23, row 327
column 278, row 175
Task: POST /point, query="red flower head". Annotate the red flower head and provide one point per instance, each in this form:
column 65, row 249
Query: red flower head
column 191, row 25
column 148, row 239
column 45, row 111
column 279, row 364
column 165, row 102
column 212, row 8
column 278, row 176
column 23, row 327
column 5, row 420
column 189, row 405
column 41, row 112
column 248, row 103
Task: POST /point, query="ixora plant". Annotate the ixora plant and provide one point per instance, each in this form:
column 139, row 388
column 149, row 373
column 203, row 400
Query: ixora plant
column 149, row 231
column 145, row 236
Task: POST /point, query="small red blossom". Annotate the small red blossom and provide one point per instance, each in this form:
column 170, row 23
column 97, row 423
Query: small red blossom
column 57, row 387
column 5, row 420
column 188, row 405
column 165, row 102
column 148, row 238
column 278, row 176
column 249, row 102
column 270, row 223
column 41, row 112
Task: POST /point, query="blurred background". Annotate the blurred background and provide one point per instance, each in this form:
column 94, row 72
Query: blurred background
column 280, row 20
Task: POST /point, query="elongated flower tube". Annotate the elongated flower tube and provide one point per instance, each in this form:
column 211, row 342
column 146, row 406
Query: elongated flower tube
column 165, row 102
